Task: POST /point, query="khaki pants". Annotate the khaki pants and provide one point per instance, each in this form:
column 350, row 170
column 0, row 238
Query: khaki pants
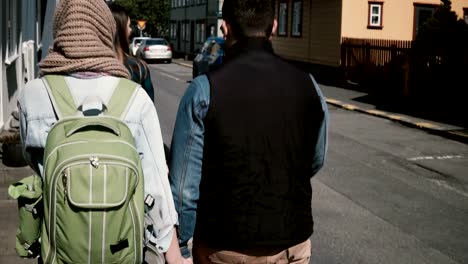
column 299, row 254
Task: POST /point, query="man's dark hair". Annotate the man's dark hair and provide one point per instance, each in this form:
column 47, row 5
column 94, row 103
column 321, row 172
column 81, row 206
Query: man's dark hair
column 121, row 18
column 249, row 17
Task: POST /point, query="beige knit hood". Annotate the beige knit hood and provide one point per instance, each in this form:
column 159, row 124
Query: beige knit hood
column 83, row 32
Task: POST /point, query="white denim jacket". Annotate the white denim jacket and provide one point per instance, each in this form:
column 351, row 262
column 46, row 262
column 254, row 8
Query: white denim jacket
column 37, row 117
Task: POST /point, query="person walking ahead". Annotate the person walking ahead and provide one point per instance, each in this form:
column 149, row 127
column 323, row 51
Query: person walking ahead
column 139, row 70
column 247, row 140
column 83, row 59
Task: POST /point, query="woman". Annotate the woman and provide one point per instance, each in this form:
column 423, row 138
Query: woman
column 83, row 52
column 139, row 71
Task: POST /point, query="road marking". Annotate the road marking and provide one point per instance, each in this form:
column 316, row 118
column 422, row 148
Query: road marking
column 171, row 76
column 447, row 186
column 446, row 157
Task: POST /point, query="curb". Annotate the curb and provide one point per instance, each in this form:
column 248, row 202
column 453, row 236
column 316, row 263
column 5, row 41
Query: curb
column 457, row 135
column 460, row 135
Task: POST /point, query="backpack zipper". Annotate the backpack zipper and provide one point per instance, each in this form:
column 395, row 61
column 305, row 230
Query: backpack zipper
column 65, row 189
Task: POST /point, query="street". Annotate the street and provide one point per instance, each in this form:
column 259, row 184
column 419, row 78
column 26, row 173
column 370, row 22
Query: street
column 387, row 193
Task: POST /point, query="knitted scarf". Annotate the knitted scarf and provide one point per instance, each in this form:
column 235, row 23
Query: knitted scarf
column 83, row 32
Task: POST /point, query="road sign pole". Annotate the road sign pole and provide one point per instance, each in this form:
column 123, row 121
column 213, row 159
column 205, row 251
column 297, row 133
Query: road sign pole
column 141, row 25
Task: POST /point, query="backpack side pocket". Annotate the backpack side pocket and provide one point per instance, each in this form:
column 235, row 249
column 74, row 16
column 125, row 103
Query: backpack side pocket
column 28, row 193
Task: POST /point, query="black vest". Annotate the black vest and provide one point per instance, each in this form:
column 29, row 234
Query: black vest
column 259, row 142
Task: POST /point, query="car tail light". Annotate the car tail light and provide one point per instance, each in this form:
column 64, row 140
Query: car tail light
column 146, row 49
column 169, row 48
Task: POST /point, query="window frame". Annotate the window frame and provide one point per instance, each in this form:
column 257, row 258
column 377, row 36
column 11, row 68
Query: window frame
column 182, row 31
column 186, row 32
column 432, row 7
column 200, row 31
column 370, row 15
column 280, row 19
column 39, row 24
column 173, row 29
column 298, row 33
column 12, row 25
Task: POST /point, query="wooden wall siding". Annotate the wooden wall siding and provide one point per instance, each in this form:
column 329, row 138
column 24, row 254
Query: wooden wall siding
column 325, row 32
column 320, row 41
column 294, row 48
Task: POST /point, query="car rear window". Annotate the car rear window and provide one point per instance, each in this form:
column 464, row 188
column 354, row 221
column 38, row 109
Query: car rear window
column 156, row 42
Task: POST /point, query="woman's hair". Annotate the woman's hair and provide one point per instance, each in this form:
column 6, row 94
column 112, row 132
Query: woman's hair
column 121, row 39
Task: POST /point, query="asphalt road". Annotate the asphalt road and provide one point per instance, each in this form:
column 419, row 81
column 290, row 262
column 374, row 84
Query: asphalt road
column 387, row 194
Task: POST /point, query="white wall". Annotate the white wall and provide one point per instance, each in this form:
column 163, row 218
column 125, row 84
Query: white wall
column 12, row 69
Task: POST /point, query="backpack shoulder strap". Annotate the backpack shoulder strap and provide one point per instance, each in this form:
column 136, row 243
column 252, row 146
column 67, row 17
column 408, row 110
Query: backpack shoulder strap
column 122, row 98
column 60, row 96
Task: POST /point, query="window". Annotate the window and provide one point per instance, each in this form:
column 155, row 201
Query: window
column 200, row 32
column 282, row 19
column 182, row 31
column 296, row 25
column 188, row 32
column 156, row 42
column 173, row 29
column 11, row 30
column 212, row 30
column 375, row 15
column 421, row 14
column 40, row 14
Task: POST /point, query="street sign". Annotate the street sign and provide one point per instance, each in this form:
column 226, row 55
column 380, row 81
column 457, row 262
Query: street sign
column 141, row 24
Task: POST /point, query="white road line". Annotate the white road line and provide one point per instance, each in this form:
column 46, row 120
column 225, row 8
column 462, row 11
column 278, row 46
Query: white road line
column 171, row 76
column 446, row 157
column 447, row 186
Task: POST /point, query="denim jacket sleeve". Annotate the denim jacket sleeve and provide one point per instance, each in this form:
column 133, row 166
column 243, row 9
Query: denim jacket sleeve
column 186, row 156
column 322, row 139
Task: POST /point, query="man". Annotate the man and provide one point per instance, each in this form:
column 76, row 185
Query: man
column 247, row 140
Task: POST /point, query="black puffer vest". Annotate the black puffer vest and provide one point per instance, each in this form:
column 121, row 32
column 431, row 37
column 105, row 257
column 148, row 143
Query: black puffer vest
column 260, row 128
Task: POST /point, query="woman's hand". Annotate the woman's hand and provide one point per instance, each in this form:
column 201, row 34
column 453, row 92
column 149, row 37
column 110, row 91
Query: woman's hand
column 173, row 255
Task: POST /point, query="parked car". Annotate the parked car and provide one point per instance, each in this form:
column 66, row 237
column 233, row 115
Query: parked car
column 210, row 56
column 155, row 49
column 136, row 44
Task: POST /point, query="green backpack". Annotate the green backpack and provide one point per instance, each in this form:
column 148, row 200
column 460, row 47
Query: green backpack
column 93, row 182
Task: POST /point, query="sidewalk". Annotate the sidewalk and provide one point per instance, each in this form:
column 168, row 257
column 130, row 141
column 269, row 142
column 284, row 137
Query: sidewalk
column 354, row 101
column 9, row 214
